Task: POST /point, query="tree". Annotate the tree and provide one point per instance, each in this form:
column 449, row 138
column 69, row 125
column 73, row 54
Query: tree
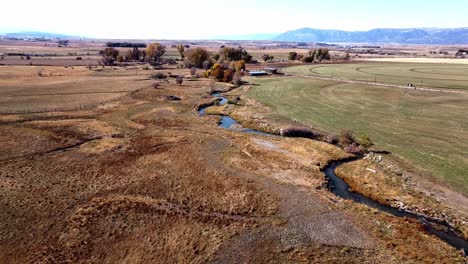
column 292, row 55
column 108, row 56
column 217, row 72
column 267, row 57
column 206, row 65
column 235, row 54
column 239, row 65
column 237, row 79
column 120, row 59
column 228, row 74
column 154, row 52
column 323, row 54
column 133, row 54
column 197, row 56
column 181, row 50
column 310, row 56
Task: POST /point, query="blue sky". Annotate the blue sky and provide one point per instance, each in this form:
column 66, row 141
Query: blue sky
column 208, row 18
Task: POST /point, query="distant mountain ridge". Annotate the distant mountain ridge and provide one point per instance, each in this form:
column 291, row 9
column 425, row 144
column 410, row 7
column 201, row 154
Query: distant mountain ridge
column 379, row 35
column 38, row 34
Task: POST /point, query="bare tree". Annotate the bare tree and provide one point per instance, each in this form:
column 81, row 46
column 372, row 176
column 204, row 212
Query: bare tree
column 193, row 71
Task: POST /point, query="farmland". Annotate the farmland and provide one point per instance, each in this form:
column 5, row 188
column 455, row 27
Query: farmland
column 427, row 128
column 26, row 89
column 453, row 76
column 111, row 163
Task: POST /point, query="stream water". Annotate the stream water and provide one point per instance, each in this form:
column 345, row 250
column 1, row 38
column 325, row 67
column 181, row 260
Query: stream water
column 340, row 188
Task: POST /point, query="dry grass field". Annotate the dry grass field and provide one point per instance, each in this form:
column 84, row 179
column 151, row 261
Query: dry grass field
column 29, row 89
column 99, row 166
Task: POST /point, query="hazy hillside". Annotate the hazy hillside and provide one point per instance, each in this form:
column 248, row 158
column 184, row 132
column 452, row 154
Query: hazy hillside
column 38, row 34
column 401, row 36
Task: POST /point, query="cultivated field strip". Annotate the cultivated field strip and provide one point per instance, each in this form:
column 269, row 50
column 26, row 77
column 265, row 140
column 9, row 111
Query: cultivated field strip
column 428, row 128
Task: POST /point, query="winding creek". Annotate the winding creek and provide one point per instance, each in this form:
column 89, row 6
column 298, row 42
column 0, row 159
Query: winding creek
column 341, row 189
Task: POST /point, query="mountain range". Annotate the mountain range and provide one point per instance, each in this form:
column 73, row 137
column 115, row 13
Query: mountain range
column 39, row 34
column 380, row 35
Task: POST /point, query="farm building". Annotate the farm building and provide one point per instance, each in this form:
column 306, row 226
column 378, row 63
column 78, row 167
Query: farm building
column 258, row 73
column 271, row 70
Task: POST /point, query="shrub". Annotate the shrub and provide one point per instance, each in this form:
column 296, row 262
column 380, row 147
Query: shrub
column 346, row 138
column 159, row 75
column 308, row 59
column 179, row 80
column 365, row 142
column 79, row 58
column 352, row 148
column 298, row 131
column 332, row 139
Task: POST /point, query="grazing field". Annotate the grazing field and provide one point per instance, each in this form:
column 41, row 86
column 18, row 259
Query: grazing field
column 428, row 128
column 26, row 89
column 421, row 60
column 453, row 76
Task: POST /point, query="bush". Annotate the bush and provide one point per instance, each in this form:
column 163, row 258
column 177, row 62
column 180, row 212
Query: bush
column 352, row 148
column 332, row 139
column 298, row 131
column 79, row 58
column 159, row 75
column 346, row 138
column 179, row 80
column 365, row 142
column 308, row 59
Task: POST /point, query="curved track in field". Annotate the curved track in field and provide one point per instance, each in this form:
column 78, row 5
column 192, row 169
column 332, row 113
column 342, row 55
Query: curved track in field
column 438, row 76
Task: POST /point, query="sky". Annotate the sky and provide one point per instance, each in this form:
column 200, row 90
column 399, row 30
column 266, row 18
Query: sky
column 205, row 19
